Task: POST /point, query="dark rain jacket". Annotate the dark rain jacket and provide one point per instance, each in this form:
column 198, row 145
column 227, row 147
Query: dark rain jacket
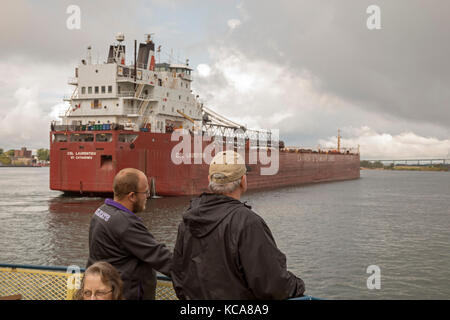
column 118, row 236
column 224, row 250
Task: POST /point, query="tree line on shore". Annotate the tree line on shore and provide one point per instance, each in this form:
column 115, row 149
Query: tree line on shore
column 379, row 165
column 6, row 157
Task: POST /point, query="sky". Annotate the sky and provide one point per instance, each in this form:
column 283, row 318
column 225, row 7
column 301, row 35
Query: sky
column 305, row 68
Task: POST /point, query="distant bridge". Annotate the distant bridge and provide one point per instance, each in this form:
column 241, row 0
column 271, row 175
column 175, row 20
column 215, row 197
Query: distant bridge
column 410, row 162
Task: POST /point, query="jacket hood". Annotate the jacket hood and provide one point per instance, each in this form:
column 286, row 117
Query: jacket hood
column 207, row 211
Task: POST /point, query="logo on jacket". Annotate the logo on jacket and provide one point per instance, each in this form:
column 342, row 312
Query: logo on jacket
column 102, row 215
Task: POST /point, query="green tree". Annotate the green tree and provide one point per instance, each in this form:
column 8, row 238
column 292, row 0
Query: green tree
column 10, row 153
column 364, row 164
column 4, row 159
column 371, row 164
column 378, row 164
column 43, row 154
column 1, row 151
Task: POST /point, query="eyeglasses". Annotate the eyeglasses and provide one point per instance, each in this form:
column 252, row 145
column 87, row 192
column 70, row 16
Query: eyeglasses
column 98, row 294
column 147, row 193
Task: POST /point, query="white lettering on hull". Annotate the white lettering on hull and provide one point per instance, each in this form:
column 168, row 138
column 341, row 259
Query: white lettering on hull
column 81, row 155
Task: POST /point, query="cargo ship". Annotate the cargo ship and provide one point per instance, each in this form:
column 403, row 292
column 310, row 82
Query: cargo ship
column 126, row 115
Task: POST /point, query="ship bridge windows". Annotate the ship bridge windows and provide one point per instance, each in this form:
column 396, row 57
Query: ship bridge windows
column 81, row 137
column 83, row 90
column 89, row 90
column 103, row 89
column 128, row 138
column 109, row 89
column 59, row 137
column 103, row 137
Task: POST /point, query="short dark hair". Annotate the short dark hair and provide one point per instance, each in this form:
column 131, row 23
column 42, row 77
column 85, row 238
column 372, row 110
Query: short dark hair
column 108, row 274
column 126, row 181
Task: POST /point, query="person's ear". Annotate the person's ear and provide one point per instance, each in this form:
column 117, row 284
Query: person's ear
column 131, row 196
column 244, row 181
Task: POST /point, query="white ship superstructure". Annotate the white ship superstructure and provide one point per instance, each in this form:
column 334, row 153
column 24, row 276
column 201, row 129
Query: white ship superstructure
column 145, row 95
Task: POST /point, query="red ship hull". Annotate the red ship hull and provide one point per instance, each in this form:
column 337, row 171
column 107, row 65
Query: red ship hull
column 89, row 168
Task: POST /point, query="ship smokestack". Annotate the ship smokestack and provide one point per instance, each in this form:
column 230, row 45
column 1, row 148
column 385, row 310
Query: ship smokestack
column 146, row 55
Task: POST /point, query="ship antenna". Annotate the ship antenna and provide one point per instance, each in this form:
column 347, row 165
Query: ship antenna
column 159, row 54
column 149, row 37
column 135, row 65
column 339, row 141
column 119, row 37
column 89, row 55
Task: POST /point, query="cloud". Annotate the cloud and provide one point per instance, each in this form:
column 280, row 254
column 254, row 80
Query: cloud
column 233, row 23
column 401, row 70
column 31, row 98
column 384, row 146
column 259, row 93
column 26, row 124
column 20, row 122
column 262, row 94
column 203, row 70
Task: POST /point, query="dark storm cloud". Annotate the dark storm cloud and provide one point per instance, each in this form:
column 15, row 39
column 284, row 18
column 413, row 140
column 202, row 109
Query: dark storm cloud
column 37, row 29
column 402, row 69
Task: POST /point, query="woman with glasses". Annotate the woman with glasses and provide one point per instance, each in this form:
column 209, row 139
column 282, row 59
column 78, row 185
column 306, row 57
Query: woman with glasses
column 101, row 281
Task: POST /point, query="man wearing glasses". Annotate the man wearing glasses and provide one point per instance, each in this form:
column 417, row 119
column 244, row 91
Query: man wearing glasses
column 118, row 236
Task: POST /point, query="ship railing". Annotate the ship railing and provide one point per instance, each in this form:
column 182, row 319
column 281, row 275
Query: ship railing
column 139, row 65
column 126, row 94
column 340, row 151
column 320, row 150
column 68, row 97
column 56, row 283
column 131, row 94
column 185, row 76
column 29, row 282
column 65, row 127
column 125, row 76
column 87, row 127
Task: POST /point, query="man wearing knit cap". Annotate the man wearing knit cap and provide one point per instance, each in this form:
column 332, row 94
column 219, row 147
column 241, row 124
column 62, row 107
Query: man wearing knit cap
column 224, row 250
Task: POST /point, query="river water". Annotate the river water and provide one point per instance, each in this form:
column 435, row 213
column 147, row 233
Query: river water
column 330, row 232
